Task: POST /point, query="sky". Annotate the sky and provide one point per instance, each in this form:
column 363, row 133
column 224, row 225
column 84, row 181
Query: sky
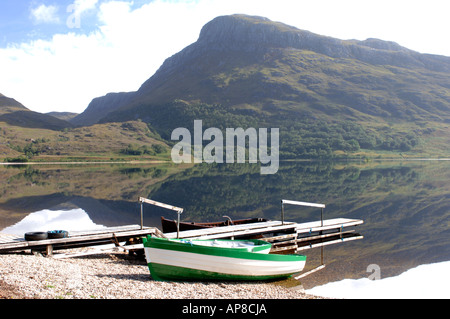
column 57, row 55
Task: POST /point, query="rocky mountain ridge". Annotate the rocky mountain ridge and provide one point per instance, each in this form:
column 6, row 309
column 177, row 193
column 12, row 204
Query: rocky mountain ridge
column 252, row 33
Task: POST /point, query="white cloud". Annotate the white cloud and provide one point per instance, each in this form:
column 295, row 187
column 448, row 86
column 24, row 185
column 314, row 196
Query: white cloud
column 131, row 42
column 68, row 71
column 84, row 5
column 45, row 14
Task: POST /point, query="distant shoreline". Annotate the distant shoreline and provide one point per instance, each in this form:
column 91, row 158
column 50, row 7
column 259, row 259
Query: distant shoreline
column 168, row 161
column 85, row 163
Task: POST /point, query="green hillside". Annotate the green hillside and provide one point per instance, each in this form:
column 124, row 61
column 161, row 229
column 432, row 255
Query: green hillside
column 31, row 136
column 124, row 141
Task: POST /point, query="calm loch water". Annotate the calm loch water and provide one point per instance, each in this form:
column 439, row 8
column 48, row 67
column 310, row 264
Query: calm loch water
column 405, row 205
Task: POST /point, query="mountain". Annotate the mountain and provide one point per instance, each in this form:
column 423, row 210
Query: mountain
column 26, row 135
column 8, row 104
column 14, row 113
column 66, row 116
column 100, row 107
column 326, row 95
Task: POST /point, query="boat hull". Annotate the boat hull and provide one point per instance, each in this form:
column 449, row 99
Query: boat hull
column 176, row 261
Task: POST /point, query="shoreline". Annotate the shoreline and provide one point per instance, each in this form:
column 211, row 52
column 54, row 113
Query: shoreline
column 117, row 275
column 86, row 163
column 411, row 159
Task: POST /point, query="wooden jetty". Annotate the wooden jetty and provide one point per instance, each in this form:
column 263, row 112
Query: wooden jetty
column 285, row 236
column 79, row 239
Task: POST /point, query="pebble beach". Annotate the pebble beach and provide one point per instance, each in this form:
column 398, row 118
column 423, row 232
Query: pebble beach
column 117, row 275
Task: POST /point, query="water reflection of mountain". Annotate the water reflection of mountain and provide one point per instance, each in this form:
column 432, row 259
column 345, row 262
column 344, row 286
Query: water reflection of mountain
column 405, row 206
column 108, row 193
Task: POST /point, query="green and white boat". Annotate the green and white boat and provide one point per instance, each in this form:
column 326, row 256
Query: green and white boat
column 180, row 259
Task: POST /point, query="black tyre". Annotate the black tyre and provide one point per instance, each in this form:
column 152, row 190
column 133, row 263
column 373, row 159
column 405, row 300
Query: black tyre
column 35, row 236
column 57, row 234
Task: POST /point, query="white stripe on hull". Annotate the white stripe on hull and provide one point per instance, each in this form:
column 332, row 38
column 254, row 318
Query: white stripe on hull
column 220, row 264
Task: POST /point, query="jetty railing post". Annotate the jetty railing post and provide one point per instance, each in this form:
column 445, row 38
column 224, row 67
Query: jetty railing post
column 321, row 217
column 179, row 210
column 178, row 223
column 282, row 213
column 142, row 215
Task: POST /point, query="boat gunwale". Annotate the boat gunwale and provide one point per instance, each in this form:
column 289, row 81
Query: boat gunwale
column 168, row 244
column 259, row 245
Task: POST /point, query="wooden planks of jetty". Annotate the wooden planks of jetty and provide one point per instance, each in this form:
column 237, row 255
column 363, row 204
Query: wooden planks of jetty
column 78, row 239
column 284, row 236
